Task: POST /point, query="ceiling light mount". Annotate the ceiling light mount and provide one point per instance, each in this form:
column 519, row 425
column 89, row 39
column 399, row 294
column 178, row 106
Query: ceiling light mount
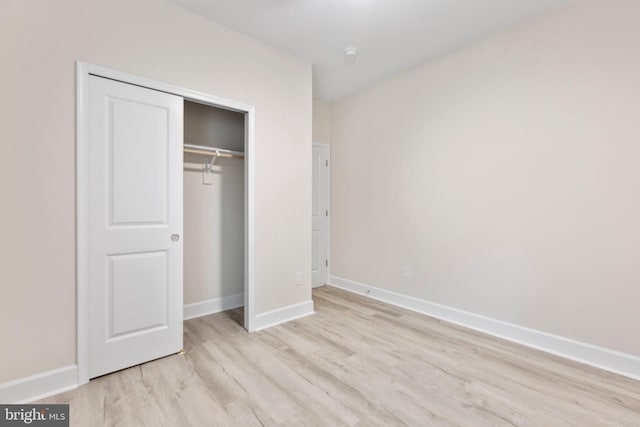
column 350, row 53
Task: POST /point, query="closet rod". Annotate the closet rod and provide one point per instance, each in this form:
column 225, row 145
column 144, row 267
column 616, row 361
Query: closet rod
column 212, row 151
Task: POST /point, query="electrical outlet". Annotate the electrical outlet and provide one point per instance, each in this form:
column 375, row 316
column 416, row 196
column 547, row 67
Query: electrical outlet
column 406, row 272
column 298, row 279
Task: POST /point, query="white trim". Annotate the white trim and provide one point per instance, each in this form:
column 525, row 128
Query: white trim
column 83, row 70
column 39, row 386
column 82, row 221
column 599, row 357
column 212, row 306
column 284, row 314
column 249, row 220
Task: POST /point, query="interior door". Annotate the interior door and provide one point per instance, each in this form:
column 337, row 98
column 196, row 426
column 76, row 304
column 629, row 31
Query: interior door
column 320, row 216
column 135, row 226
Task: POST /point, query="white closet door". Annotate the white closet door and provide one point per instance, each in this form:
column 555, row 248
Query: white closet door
column 320, row 216
column 135, row 226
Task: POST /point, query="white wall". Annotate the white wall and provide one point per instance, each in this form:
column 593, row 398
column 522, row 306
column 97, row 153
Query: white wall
column 321, row 121
column 40, row 41
column 213, row 213
column 213, row 231
column 506, row 176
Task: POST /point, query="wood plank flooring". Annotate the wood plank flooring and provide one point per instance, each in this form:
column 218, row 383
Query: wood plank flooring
column 357, row 362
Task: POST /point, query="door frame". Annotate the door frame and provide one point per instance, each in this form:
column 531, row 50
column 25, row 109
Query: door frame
column 328, row 231
column 83, row 71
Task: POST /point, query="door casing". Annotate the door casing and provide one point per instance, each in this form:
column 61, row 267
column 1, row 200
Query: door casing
column 83, row 71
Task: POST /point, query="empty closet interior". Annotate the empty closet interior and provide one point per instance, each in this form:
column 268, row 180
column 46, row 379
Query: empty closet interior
column 214, row 141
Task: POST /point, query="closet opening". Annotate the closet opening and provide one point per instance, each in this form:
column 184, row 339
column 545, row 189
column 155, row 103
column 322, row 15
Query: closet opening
column 213, row 210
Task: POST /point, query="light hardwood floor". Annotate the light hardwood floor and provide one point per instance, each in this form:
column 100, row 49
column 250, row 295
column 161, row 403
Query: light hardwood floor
column 357, row 362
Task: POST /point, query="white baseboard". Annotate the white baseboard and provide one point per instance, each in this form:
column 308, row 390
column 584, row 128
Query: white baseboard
column 599, row 357
column 212, row 306
column 39, row 386
column 285, row 314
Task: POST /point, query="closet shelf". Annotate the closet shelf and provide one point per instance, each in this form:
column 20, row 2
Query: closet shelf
column 212, row 151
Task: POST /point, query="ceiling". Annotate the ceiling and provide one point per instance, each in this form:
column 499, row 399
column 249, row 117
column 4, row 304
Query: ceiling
column 391, row 35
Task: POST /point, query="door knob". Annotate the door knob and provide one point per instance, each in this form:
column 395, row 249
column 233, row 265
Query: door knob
column 175, row 237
